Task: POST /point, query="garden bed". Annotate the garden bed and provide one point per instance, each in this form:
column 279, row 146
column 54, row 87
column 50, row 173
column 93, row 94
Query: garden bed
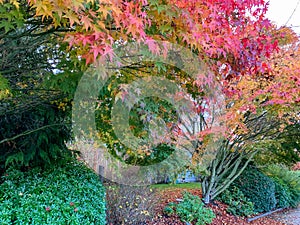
column 167, row 195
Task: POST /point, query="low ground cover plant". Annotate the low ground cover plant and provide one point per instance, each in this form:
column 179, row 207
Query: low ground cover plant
column 65, row 194
column 191, row 209
column 237, row 203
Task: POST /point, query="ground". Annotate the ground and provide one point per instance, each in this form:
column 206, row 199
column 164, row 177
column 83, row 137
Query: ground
column 167, row 195
column 289, row 217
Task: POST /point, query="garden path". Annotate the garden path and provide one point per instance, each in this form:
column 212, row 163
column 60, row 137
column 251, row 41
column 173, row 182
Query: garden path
column 290, row 217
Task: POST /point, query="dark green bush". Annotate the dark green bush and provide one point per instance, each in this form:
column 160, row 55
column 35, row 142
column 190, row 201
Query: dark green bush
column 237, row 203
column 290, row 179
column 191, row 209
column 258, row 188
column 70, row 194
column 42, row 134
column 282, row 194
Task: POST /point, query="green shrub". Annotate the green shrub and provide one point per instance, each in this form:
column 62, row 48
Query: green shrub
column 45, row 141
column 169, row 209
column 282, row 194
column 258, row 188
column 70, row 194
column 291, row 180
column 191, row 209
column 237, row 203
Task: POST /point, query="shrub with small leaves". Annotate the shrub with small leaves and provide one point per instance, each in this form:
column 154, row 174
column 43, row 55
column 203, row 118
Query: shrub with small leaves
column 191, row 210
column 289, row 179
column 70, row 194
column 258, row 188
column 237, row 203
column 282, row 194
column 169, row 209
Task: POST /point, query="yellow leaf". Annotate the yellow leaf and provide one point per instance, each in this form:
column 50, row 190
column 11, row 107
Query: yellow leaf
column 43, row 8
column 15, row 3
column 72, row 17
column 90, row 1
column 109, row 87
column 77, row 4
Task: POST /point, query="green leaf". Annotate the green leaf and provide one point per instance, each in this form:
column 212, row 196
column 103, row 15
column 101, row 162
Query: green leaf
column 43, row 138
column 17, row 158
column 160, row 67
column 44, row 156
column 6, row 25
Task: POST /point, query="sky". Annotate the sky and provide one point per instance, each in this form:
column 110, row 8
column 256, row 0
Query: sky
column 281, row 10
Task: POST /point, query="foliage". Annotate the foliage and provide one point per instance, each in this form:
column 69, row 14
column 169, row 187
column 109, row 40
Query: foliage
column 13, row 19
column 285, row 149
column 222, row 217
column 282, row 194
column 289, row 179
column 258, row 188
column 146, row 109
column 34, row 116
column 66, row 194
column 41, row 141
column 129, row 204
column 257, row 122
column 259, row 81
column 97, row 25
column 4, row 88
column 191, row 209
column 237, row 203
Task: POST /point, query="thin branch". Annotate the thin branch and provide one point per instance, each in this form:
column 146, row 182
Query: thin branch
column 30, row 132
column 292, row 13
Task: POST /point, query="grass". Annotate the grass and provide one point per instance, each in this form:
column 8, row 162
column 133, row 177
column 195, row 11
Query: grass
column 172, row 186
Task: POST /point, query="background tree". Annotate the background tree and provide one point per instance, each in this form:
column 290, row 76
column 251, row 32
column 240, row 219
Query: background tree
column 282, row 150
column 32, row 115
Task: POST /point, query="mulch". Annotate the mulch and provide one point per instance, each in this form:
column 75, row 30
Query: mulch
column 222, row 217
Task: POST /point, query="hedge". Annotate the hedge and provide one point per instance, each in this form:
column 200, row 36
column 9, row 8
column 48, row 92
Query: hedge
column 258, row 188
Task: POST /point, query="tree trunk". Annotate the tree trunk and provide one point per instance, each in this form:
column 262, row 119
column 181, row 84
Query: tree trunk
column 224, row 169
column 206, row 198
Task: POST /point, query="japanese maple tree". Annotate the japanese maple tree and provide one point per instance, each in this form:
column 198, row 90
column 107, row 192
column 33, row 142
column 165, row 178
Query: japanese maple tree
column 233, row 37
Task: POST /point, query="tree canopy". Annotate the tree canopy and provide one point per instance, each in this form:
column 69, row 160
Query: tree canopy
column 46, row 46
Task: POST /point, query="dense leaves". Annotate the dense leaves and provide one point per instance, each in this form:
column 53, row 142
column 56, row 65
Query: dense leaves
column 284, row 149
column 232, row 33
column 257, row 79
column 282, row 194
column 35, row 137
column 191, row 209
column 33, row 115
column 141, row 115
column 66, row 194
column 258, row 188
column 237, row 203
column 289, row 180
